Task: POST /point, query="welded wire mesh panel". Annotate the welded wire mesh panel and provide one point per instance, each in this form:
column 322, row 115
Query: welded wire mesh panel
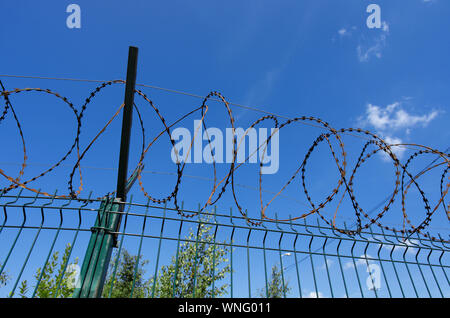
column 212, row 254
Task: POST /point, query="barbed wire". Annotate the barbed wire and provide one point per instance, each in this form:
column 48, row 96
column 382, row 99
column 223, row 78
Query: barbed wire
column 404, row 179
column 190, row 94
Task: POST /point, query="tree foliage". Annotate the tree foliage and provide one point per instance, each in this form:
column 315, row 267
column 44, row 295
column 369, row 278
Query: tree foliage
column 200, row 263
column 197, row 270
column 275, row 286
column 127, row 279
column 56, row 280
column 4, row 277
column 23, row 289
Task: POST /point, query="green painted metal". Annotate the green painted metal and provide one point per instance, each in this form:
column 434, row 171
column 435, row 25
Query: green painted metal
column 136, row 267
column 44, row 267
column 176, row 260
column 196, row 257
column 214, row 254
column 127, row 119
column 312, row 262
column 248, row 264
column 295, row 257
column 11, row 294
column 116, row 263
column 155, row 276
column 71, row 246
column 265, row 263
column 326, row 260
column 231, row 253
column 98, row 254
column 314, row 259
column 283, row 282
column 15, row 240
column 341, row 269
column 356, row 270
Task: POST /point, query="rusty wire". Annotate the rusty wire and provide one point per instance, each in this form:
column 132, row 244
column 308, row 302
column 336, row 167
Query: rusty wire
column 404, row 179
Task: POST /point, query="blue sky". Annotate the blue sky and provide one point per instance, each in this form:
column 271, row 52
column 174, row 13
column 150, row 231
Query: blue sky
column 293, row 58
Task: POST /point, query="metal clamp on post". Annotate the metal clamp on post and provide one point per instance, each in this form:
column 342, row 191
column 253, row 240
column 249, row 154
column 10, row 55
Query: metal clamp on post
column 120, row 208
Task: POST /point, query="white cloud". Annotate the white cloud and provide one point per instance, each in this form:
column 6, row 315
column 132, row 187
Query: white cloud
column 343, row 32
column 329, row 263
column 375, row 46
column 364, row 54
column 361, row 261
column 401, row 246
column 367, row 46
column 348, row 265
column 314, row 295
column 397, row 150
column 411, row 244
column 393, row 119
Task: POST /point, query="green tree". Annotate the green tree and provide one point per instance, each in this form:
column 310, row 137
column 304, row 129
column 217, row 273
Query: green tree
column 127, row 277
column 275, row 286
column 23, row 289
column 199, row 267
column 58, row 280
column 4, row 278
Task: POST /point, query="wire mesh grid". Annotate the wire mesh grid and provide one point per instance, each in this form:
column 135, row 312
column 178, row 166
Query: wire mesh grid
column 212, row 254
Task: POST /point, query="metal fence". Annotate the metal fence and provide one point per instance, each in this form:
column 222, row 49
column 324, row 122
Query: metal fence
column 295, row 259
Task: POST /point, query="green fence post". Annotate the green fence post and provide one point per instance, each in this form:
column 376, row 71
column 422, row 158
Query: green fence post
column 103, row 239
